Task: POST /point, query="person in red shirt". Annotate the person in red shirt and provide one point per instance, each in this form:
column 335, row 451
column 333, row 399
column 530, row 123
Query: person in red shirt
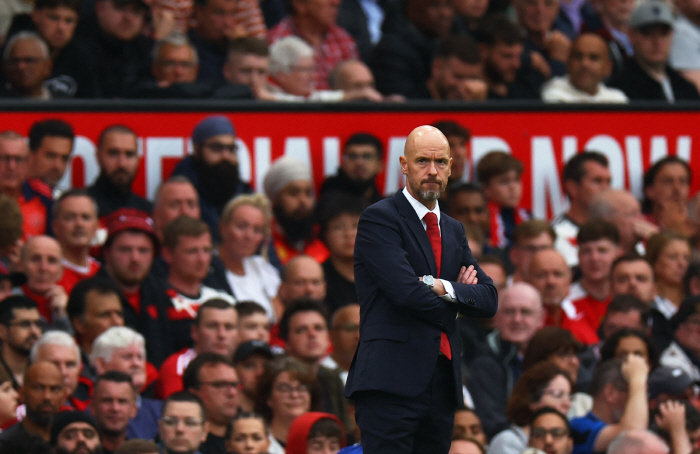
column 74, row 225
column 40, row 260
column 551, row 276
column 599, row 246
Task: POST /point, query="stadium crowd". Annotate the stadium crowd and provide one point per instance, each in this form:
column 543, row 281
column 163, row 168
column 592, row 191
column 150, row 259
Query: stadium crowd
column 216, row 319
column 581, row 51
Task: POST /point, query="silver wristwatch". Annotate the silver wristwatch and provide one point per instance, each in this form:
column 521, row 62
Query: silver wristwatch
column 429, row 280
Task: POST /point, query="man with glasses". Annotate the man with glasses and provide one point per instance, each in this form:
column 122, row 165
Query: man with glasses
column 33, row 196
column 647, row 75
column 361, row 162
column 213, row 168
column 20, row 328
column 118, row 157
column 213, row 379
column 75, row 432
column 550, row 432
column 27, row 65
column 183, row 426
column 174, row 61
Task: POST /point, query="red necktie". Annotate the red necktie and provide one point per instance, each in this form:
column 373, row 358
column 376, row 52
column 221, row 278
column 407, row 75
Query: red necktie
column 433, row 232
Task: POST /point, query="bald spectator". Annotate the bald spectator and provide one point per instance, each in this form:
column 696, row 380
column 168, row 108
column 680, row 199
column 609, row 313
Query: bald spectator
column 289, row 186
column 551, row 276
column 175, row 197
column 457, row 72
column 120, row 51
column 213, row 168
column 118, row 158
column 529, row 237
column 122, row 349
column 623, row 210
column 315, row 23
column 73, row 432
column 33, row 196
column 27, row 65
column 401, row 60
column 41, row 262
column 493, row 374
column 588, row 66
column 619, row 391
column 585, row 175
column 302, row 277
column 351, row 75
column 59, row 348
column 75, row 224
column 638, row 442
column 647, row 75
column 55, row 21
column 20, row 327
column 248, row 63
column 50, row 146
column 43, row 394
column 345, row 336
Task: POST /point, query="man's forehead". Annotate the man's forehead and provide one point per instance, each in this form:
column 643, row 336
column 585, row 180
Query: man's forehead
column 635, row 266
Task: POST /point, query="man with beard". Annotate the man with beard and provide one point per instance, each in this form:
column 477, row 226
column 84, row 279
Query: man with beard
column 114, row 405
column 289, row 186
column 213, row 168
column 75, row 432
column 43, row 394
column 362, row 161
column 118, row 158
column 20, row 328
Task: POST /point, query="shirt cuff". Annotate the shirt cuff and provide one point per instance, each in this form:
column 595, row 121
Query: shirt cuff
column 449, row 291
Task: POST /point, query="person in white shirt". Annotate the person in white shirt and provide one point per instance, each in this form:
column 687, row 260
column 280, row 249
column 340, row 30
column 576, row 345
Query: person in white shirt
column 588, row 66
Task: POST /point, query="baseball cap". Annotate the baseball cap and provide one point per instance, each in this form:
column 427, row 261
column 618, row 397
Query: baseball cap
column 246, row 349
column 667, row 380
column 15, row 278
column 651, row 12
column 125, row 219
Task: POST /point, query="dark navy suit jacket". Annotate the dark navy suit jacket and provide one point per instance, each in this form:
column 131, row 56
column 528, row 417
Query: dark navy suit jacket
column 400, row 317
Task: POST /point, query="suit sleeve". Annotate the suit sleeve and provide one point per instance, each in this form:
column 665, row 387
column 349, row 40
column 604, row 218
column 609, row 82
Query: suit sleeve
column 379, row 253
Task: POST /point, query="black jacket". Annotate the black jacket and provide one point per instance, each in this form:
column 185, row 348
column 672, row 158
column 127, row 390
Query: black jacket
column 638, row 85
column 110, row 198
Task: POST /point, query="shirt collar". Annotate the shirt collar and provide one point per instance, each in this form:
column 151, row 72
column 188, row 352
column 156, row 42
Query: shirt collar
column 420, row 209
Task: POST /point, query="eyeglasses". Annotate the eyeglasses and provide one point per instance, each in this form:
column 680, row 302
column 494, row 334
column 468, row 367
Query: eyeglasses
column 173, row 421
column 181, row 64
column 285, row 388
column 71, row 434
column 557, row 393
column 218, row 147
column 221, row 385
column 556, row 433
column 26, row 324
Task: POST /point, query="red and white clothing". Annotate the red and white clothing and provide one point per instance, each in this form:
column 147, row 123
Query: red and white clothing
column 337, row 46
column 171, row 371
column 566, row 243
column 72, row 273
column 582, row 314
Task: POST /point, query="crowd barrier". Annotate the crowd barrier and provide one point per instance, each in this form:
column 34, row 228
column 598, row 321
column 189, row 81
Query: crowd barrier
column 543, row 137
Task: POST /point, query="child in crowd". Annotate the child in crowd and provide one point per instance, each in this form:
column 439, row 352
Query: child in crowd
column 500, row 174
column 315, row 432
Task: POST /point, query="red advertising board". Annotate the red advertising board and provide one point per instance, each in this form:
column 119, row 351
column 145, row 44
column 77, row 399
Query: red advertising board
column 543, row 140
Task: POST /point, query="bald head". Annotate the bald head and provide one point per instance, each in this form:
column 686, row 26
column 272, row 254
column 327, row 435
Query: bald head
column 519, row 314
column 302, row 278
column 42, row 369
column 426, row 163
column 41, row 262
column 550, row 275
column 638, row 442
column 589, row 63
column 622, row 209
column 43, row 392
column 351, row 75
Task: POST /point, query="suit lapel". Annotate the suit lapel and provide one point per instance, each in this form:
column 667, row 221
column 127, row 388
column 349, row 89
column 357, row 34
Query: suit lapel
column 416, row 226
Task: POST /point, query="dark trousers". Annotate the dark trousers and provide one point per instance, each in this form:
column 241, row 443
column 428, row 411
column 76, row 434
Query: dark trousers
column 391, row 424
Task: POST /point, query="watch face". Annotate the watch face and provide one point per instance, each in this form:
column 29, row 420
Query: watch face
column 429, row 280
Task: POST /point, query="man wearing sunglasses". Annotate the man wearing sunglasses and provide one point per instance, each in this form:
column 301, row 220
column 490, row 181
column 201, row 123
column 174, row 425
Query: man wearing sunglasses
column 647, row 76
column 213, row 168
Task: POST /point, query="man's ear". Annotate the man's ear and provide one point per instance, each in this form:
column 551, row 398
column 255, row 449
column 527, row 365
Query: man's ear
column 404, row 165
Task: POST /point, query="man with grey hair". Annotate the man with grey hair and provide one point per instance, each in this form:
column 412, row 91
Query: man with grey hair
column 123, row 349
column 638, row 442
column 292, row 67
column 175, row 60
column 27, row 65
column 619, row 391
column 289, row 187
column 622, row 209
column 59, row 348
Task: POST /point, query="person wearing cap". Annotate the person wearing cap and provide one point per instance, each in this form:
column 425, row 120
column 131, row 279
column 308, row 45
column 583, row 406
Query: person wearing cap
column 120, row 51
column 215, row 330
column 128, row 255
column 118, row 158
column 73, row 429
column 213, row 168
column 684, row 352
column 250, row 360
column 647, row 75
column 20, row 327
column 289, row 186
column 669, row 383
